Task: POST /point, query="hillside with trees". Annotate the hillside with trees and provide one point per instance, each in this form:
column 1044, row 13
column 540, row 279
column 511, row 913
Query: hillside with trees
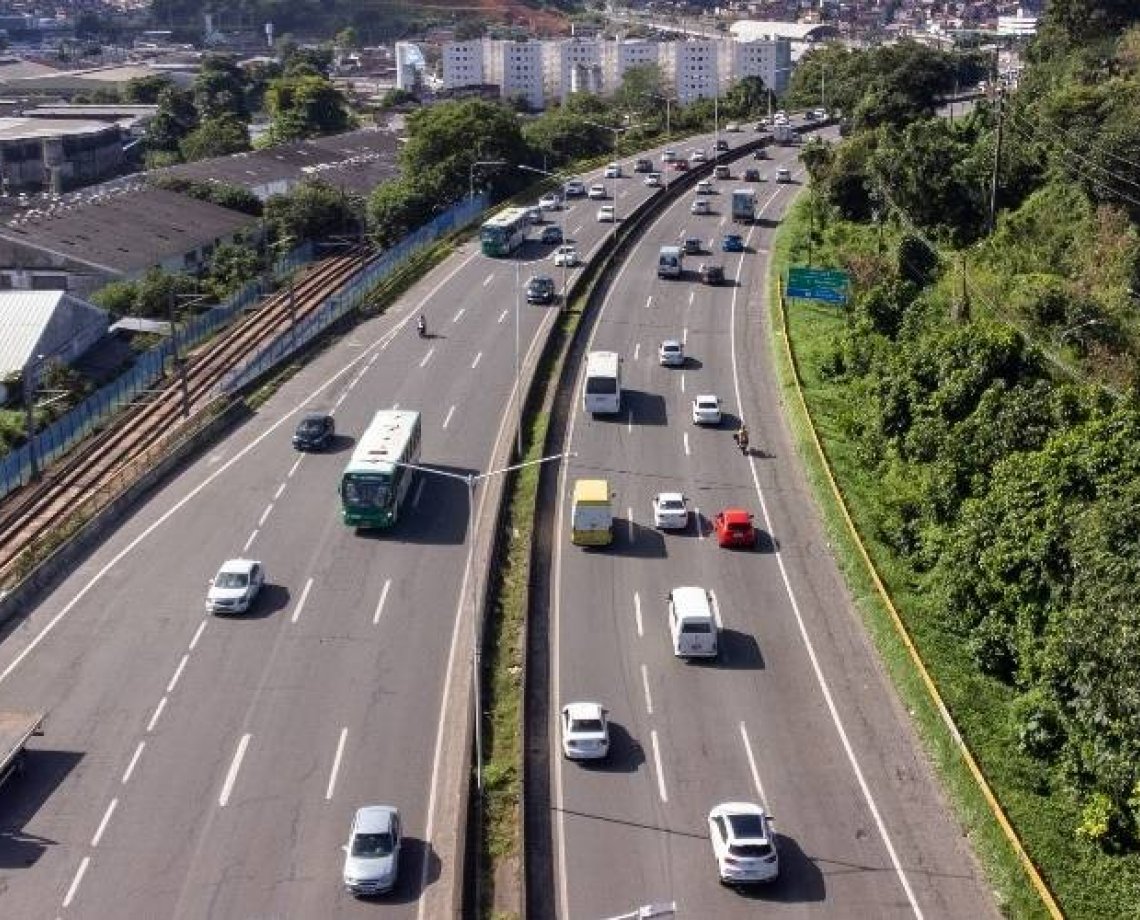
column 983, row 392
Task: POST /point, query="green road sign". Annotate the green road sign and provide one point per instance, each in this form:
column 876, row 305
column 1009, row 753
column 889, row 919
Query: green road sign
column 826, row 284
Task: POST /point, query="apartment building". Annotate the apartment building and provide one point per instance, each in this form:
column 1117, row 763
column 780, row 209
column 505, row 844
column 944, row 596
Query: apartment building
column 462, row 64
column 573, row 66
column 517, row 68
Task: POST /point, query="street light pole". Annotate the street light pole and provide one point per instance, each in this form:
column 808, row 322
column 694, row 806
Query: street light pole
column 561, row 215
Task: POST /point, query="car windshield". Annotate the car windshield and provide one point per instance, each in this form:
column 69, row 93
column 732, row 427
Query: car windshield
column 372, row 846
column 672, row 504
column 697, row 626
column 707, row 404
column 582, row 726
column 312, row 425
column 738, row 526
column 231, row 580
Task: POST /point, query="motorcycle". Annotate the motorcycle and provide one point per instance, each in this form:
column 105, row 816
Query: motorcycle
column 741, row 439
column 421, row 327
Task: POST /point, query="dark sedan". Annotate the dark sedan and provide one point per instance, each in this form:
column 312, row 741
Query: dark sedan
column 315, row 431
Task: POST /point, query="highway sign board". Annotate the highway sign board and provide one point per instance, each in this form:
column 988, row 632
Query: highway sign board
column 826, row 284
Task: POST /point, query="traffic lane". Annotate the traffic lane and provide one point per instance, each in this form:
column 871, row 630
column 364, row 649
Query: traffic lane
column 908, row 795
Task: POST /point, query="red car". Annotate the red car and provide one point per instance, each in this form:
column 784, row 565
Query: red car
column 681, row 165
column 733, row 527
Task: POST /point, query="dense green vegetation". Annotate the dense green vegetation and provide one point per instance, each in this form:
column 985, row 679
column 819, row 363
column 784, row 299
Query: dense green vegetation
column 981, row 399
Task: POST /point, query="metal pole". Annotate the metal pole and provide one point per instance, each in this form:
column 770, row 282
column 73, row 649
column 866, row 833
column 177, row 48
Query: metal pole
column 997, row 164
column 475, row 668
column 30, row 410
column 518, row 392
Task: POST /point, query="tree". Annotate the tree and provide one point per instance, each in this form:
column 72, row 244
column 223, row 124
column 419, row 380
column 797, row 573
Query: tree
column 219, row 89
column 745, row 98
column 231, row 266
column 215, row 137
column 176, row 118
column 145, row 90
column 639, row 85
column 311, row 211
column 398, row 207
column 305, row 106
column 397, row 97
column 347, row 39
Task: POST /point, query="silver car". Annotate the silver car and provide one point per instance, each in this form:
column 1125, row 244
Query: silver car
column 372, row 854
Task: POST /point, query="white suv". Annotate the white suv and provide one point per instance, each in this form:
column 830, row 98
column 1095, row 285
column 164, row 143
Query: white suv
column 706, row 409
column 743, row 843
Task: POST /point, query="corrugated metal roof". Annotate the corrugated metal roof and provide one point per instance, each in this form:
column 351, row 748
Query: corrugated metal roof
column 24, row 315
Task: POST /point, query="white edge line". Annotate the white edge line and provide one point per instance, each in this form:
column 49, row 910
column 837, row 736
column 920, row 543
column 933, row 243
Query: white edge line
column 235, row 765
column 79, row 873
column 336, row 764
column 103, row 824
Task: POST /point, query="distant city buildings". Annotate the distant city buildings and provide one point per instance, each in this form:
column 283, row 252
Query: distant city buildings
column 541, row 72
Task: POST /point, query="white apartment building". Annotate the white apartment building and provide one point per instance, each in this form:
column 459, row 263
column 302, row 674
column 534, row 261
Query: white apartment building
column 552, row 70
column 463, row 64
column 409, row 65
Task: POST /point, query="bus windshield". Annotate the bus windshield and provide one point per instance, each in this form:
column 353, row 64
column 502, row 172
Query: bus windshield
column 368, row 491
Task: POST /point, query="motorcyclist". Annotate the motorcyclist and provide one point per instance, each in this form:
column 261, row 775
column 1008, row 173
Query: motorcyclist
column 421, row 325
column 741, row 438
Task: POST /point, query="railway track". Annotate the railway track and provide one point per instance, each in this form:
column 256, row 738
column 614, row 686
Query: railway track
column 30, row 515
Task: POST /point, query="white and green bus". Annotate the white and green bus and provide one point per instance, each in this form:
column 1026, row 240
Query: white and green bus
column 374, row 483
column 505, row 232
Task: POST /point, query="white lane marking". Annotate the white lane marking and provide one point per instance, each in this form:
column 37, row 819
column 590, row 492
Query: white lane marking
column 502, row 316
column 134, row 760
column 752, row 766
column 427, row 357
column 294, row 467
column 629, row 420
column 657, row 760
column 478, row 358
column 577, row 230
column 177, row 674
column 637, row 614
column 380, row 603
column 336, row 764
column 103, row 824
column 629, row 522
column 79, row 873
column 301, row 603
column 343, row 396
column 280, row 491
column 248, row 543
column 685, row 336
column 686, row 439
column 636, row 351
column 198, row 634
column 157, row 712
column 716, row 610
column 488, row 279
column 447, row 419
column 682, row 381
column 419, row 492
column 264, row 515
column 235, row 765
column 645, row 685
column 817, row 668
column 459, row 314
column 691, row 295
column 649, row 301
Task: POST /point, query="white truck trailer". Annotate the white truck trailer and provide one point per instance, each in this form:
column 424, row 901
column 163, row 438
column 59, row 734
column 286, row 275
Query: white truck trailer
column 743, row 206
column 15, row 730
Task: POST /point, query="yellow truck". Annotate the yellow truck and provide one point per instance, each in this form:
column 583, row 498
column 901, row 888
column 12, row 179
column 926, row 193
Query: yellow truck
column 591, row 515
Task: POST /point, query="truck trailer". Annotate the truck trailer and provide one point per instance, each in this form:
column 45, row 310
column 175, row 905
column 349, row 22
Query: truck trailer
column 784, row 134
column 15, row 730
column 743, row 206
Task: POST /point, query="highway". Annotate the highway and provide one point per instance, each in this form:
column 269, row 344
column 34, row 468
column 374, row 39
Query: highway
column 195, row 766
column 796, row 713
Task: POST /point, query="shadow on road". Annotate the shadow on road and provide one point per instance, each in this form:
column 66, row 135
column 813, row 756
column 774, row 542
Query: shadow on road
column 626, row 754
column 21, row 798
column 433, row 512
column 646, row 408
column 800, row 881
column 635, row 541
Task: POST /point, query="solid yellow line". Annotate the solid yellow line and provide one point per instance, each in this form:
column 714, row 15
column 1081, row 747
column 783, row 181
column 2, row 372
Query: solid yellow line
column 1039, row 883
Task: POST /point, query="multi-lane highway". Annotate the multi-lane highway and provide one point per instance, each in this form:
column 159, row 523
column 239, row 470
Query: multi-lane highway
column 208, row 767
column 795, row 713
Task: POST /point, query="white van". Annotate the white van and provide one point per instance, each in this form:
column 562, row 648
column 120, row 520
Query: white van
column 692, row 623
column 670, row 262
column 783, row 174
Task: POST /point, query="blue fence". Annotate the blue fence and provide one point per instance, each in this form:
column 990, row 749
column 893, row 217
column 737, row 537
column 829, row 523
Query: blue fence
column 351, row 295
column 64, row 432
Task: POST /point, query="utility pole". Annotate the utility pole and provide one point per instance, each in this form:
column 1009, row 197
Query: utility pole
column 30, row 410
column 997, row 161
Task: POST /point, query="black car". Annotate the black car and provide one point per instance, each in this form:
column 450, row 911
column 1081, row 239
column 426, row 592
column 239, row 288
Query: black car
column 551, row 234
column 722, row 144
column 315, row 431
column 692, row 245
column 712, row 274
column 540, row 289
column 760, row 154
column 751, row 175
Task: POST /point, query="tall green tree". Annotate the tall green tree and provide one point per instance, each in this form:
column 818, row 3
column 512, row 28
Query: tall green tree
column 220, row 89
column 215, row 137
column 305, row 106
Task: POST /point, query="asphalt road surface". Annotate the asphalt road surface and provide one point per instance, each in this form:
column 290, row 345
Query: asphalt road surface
column 196, row 766
column 796, row 713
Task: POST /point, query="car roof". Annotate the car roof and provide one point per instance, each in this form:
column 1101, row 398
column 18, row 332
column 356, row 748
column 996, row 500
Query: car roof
column 671, row 343
column 583, row 710
column 734, row 515
column 317, row 416
column 374, row 819
column 729, row 810
column 238, row 565
column 690, row 599
column 707, row 397
column 671, row 496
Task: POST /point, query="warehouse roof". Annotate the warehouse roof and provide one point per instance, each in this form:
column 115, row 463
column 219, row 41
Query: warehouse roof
column 25, row 317
column 37, row 128
column 751, row 29
column 125, row 230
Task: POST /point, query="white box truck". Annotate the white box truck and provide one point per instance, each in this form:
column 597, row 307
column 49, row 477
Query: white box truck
column 670, row 262
column 743, row 206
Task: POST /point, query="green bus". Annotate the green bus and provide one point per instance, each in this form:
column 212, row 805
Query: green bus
column 504, row 232
column 374, row 483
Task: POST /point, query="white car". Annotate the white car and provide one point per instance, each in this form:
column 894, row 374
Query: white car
column 671, row 353
column 372, row 854
column 235, row 587
column 705, row 187
column 669, row 156
column 732, row 127
column 706, row 409
column 743, row 843
column 653, row 180
column 783, row 175
column 697, row 156
column 585, row 731
column 575, row 188
column 612, row 171
column 670, row 511
column 598, row 191
column 566, row 255
column 606, row 213
column 700, row 206
column 550, row 202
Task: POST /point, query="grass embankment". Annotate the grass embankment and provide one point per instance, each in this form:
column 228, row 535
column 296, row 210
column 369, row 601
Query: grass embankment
column 504, row 663
column 979, row 705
